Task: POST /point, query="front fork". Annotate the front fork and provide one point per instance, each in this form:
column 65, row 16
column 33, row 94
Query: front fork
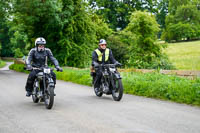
column 50, row 83
column 114, row 76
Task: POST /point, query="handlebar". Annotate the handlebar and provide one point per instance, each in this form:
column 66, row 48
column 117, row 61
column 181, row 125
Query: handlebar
column 41, row 69
column 107, row 65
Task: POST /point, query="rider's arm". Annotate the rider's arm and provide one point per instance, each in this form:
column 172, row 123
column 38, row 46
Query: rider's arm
column 111, row 57
column 50, row 56
column 30, row 57
column 94, row 58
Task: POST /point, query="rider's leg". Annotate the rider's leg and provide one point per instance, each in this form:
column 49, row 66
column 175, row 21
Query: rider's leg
column 30, row 82
column 97, row 81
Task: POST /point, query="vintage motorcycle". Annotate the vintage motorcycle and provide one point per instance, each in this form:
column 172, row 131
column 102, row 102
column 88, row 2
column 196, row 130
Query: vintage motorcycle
column 110, row 82
column 43, row 88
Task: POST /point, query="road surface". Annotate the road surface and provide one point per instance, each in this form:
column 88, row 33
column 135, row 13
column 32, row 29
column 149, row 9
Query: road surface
column 78, row 110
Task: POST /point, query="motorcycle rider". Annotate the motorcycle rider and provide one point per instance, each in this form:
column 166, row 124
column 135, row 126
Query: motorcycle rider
column 36, row 58
column 101, row 55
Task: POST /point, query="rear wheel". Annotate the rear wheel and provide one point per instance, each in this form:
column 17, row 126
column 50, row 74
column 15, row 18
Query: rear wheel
column 117, row 91
column 49, row 98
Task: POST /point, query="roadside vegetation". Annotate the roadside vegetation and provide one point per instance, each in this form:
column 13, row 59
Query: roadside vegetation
column 154, row 85
column 2, row 63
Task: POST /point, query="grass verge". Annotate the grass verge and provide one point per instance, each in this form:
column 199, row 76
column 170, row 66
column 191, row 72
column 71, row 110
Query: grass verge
column 152, row 85
column 2, row 63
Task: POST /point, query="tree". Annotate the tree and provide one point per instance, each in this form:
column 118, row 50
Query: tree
column 70, row 28
column 117, row 12
column 161, row 14
column 4, row 37
column 184, row 24
column 174, row 4
column 143, row 49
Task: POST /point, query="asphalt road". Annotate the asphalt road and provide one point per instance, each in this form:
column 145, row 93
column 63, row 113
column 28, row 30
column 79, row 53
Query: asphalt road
column 78, row 110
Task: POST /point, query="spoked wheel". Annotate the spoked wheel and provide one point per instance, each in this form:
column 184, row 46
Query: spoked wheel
column 35, row 98
column 49, row 98
column 98, row 92
column 117, row 91
column 34, row 95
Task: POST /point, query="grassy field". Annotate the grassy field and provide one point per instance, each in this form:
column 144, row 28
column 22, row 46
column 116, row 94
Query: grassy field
column 185, row 55
column 2, row 63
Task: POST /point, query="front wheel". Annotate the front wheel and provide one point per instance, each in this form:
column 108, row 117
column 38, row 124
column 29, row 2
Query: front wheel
column 34, row 94
column 49, row 98
column 117, row 91
column 98, row 92
column 35, row 98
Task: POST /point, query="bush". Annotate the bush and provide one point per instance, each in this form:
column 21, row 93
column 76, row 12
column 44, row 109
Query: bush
column 18, row 68
column 18, row 53
column 119, row 49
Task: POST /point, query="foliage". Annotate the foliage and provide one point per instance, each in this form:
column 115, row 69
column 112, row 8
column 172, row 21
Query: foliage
column 18, row 53
column 183, row 23
column 163, row 87
column 2, row 63
column 79, row 36
column 162, row 12
column 4, row 37
column 71, row 30
column 119, row 48
column 18, row 68
column 153, row 85
column 117, row 13
column 143, row 49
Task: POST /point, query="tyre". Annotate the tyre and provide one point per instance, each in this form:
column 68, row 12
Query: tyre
column 49, row 98
column 34, row 94
column 35, row 98
column 117, row 91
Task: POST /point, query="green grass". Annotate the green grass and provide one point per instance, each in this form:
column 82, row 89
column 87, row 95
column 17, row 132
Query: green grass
column 2, row 63
column 152, row 85
column 185, row 55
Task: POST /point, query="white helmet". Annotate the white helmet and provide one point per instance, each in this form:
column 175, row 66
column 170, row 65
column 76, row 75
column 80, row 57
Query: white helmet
column 40, row 41
column 102, row 41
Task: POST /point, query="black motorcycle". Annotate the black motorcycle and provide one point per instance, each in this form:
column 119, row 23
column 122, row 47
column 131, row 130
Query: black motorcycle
column 43, row 87
column 110, row 82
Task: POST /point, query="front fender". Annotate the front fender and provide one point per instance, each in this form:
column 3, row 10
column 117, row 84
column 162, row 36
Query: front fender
column 51, row 82
column 117, row 75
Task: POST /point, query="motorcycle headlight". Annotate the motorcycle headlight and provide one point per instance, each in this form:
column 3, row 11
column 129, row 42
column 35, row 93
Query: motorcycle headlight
column 112, row 69
column 47, row 70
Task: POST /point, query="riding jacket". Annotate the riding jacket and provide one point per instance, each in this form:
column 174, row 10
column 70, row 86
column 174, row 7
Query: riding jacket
column 37, row 59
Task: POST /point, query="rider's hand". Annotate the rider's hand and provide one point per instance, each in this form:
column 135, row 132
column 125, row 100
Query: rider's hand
column 58, row 68
column 29, row 67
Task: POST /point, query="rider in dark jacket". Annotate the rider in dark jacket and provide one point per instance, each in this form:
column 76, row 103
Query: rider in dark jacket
column 36, row 58
column 102, row 55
